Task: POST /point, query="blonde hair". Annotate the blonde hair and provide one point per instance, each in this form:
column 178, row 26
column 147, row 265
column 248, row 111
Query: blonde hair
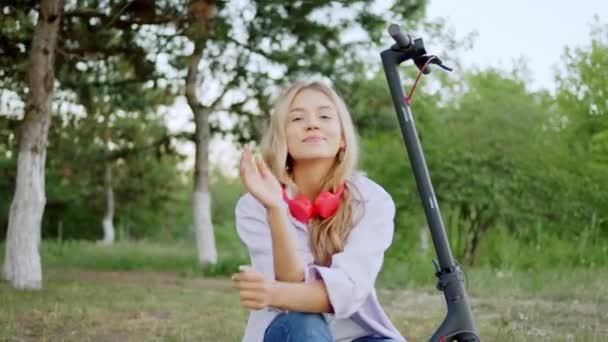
column 327, row 237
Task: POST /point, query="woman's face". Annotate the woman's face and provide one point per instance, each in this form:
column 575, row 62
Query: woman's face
column 313, row 127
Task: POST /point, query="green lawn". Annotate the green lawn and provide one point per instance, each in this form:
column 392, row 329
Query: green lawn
column 168, row 299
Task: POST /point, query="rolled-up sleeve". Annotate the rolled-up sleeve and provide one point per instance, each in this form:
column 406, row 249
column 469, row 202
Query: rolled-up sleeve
column 253, row 231
column 352, row 273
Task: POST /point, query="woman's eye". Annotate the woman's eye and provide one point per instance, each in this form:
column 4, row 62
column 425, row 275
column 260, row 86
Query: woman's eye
column 325, row 116
column 296, row 119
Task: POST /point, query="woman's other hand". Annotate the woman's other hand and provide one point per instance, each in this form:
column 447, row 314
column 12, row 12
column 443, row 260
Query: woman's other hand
column 255, row 290
column 258, row 180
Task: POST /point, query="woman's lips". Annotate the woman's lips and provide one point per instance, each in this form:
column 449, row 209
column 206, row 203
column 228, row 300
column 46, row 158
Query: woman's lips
column 313, row 139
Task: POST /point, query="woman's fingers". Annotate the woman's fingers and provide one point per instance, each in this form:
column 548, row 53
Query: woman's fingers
column 251, row 166
column 246, row 272
column 250, row 295
column 249, row 274
column 248, row 164
column 245, row 158
column 251, row 286
column 262, row 167
column 245, row 268
column 246, row 167
column 242, row 165
column 248, row 279
column 248, row 286
column 249, row 304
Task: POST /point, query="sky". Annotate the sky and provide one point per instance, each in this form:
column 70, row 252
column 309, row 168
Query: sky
column 535, row 30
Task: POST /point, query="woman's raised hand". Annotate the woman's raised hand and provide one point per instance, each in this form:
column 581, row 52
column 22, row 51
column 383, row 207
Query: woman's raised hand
column 258, row 179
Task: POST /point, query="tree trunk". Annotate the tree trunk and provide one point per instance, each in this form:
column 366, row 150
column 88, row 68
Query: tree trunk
column 22, row 264
column 202, row 13
column 593, row 222
column 201, row 198
column 479, row 227
column 471, row 252
column 205, row 239
column 108, row 218
column 463, row 228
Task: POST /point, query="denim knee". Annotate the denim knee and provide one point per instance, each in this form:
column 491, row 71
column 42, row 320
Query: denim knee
column 298, row 327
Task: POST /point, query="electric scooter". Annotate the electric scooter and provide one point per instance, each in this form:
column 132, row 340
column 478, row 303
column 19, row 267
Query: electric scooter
column 459, row 324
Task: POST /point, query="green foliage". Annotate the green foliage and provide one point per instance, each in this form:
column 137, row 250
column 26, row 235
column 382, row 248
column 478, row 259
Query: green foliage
column 145, row 255
column 519, row 175
column 582, row 119
column 501, row 166
column 368, row 101
column 225, row 192
column 110, row 62
column 146, row 181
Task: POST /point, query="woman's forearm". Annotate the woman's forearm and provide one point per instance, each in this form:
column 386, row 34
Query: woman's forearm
column 301, row 297
column 287, row 265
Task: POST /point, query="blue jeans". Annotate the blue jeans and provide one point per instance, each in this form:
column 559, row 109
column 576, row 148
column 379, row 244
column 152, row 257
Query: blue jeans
column 305, row 327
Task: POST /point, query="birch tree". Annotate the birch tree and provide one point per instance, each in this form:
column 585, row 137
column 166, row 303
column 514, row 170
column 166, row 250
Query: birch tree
column 22, row 265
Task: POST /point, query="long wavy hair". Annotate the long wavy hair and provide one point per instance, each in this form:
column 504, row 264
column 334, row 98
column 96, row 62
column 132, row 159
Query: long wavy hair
column 327, row 237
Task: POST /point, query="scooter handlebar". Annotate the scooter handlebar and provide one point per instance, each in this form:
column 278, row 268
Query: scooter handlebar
column 403, row 40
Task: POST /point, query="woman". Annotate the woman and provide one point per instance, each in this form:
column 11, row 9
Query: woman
column 316, row 230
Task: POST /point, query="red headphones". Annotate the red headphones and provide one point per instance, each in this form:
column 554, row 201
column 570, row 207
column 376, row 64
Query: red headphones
column 325, row 205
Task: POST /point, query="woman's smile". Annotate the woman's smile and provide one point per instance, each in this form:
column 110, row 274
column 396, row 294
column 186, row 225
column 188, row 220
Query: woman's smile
column 313, row 140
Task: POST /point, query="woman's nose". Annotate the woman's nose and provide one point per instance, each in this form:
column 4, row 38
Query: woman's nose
column 312, row 123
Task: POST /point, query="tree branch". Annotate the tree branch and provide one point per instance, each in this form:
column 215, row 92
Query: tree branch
column 101, row 53
column 253, row 49
column 124, row 24
column 74, row 84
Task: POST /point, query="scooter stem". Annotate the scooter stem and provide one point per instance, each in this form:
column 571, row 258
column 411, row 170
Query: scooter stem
column 459, row 324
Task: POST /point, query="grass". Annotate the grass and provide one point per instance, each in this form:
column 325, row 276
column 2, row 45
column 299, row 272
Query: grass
column 176, row 256
column 121, row 306
column 149, row 291
column 77, row 305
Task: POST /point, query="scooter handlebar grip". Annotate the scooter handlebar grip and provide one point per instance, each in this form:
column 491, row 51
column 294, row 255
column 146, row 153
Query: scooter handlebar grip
column 403, row 40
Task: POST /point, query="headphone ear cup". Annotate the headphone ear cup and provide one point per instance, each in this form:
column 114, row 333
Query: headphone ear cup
column 300, row 207
column 326, row 204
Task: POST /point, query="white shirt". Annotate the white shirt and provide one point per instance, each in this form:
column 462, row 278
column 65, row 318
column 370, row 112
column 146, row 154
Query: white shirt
column 349, row 279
